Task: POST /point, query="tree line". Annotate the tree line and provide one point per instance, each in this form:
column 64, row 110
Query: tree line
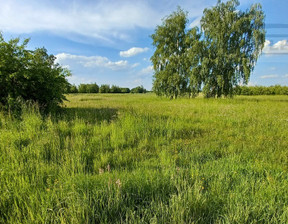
column 212, row 59
column 104, row 88
column 261, row 90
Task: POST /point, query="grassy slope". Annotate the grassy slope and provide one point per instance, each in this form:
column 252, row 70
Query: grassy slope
column 143, row 159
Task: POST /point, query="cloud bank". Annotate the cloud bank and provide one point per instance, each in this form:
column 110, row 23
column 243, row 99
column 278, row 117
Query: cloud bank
column 133, row 51
column 280, row 47
column 92, row 62
column 103, row 20
column 97, row 19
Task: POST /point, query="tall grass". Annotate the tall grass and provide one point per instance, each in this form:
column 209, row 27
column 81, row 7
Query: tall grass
column 143, row 159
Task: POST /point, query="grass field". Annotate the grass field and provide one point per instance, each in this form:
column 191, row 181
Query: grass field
column 143, row 159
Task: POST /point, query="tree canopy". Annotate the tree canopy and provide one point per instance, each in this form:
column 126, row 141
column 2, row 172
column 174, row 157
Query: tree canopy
column 27, row 75
column 169, row 57
column 214, row 59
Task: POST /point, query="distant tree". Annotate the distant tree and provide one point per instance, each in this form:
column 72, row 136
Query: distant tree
column 138, row 89
column 115, row 89
column 125, row 90
column 82, row 88
column 92, row 88
column 73, row 89
column 104, row 88
column 30, row 76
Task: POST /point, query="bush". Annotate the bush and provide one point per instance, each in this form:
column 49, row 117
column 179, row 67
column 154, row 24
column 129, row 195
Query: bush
column 27, row 75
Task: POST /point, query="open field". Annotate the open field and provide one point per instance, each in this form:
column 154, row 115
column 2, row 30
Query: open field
column 143, row 159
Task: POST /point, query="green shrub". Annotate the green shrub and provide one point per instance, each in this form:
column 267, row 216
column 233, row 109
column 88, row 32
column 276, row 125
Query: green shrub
column 27, row 75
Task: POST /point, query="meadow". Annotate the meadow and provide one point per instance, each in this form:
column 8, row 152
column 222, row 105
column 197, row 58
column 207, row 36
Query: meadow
column 138, row 158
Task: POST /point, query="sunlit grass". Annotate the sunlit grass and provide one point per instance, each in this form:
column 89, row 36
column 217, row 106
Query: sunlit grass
column 142, row 159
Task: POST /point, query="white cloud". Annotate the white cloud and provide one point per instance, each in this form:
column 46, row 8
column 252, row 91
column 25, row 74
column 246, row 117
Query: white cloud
column 101, row 19
column 147, row 71
column 285, row 76
column 97, row 19
column 269, row 76
column 281, row 47
column 92, row 62
column 133, row 51
column 99, row 69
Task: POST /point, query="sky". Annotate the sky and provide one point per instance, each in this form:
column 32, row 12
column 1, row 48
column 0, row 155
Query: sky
column 108, row 41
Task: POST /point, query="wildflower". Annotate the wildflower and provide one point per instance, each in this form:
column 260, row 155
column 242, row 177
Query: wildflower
column 48, row 189
column 101, row 171
column 118, row 182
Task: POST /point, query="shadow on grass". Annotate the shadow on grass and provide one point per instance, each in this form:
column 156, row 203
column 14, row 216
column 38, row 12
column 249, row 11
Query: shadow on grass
column 89, row 115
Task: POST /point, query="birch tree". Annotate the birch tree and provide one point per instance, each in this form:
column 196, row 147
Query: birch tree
column 233, row 41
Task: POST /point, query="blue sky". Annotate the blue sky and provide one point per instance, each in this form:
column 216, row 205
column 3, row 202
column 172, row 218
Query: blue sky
column 107, row 41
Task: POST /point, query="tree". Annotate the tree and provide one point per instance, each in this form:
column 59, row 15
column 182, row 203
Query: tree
column 104, row 88
column 82, row 88
column 92, row 88
column 233, row 41
column 169, row 57
column 115, row 89
column 214, row 59
column 30, row 76
column 138, row 89
column 73, row 89
column 125, row 90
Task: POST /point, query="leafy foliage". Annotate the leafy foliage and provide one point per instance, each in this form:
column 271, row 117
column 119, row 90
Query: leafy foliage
column 30, row 76
column 233, row 42
column 94, row 88
column 72, row 89
column 169, row 57
column 88, row 88
column 115, row 89
column 104, row 88
column 218, row 57
column 138, row 89
column 261, row 90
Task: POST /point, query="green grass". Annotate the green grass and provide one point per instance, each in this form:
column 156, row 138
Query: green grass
column 143, row 159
